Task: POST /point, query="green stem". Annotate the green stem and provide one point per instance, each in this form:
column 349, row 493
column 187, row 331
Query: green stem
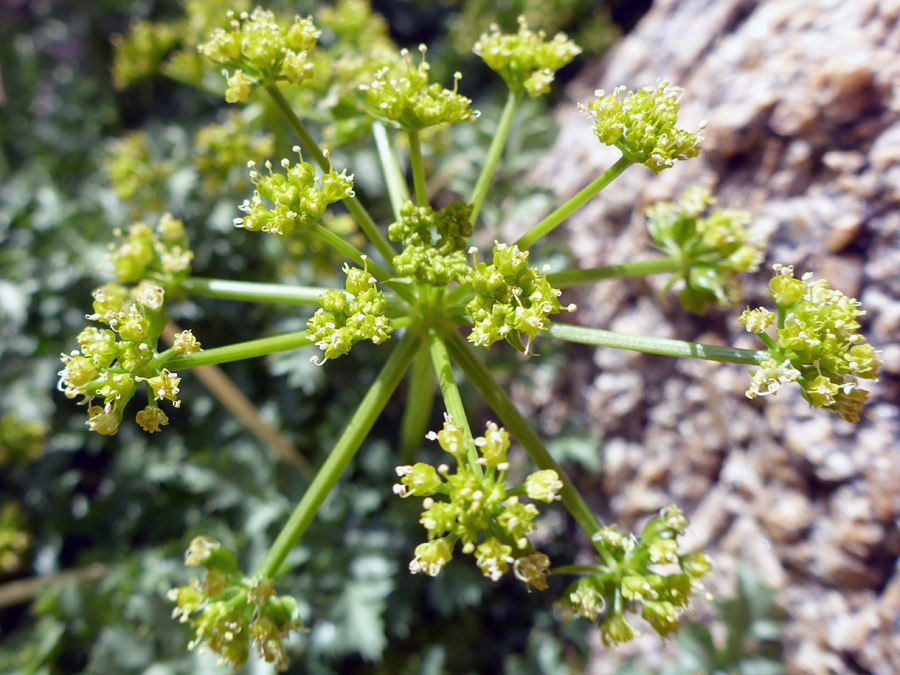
column 452, row 400
column 342, row 246
column 419, row 404
column 641, row 268
column 251, row 291
column 547, row 224
column 354, row 434
column 354, row 206
column 518, row 426
column 494, row 153
column 652, row 345
column 418, row 168
column 397, row 189
column 240, row 351
column 577, row 569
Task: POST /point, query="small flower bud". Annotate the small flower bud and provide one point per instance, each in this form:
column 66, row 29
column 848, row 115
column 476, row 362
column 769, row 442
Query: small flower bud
column 543, row 486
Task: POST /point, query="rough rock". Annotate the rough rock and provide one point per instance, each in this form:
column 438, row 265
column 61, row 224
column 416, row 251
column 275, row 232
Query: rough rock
column 803, row 103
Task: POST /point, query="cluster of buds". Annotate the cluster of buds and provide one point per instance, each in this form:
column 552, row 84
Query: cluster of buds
column 433, row 243
column 227, row 610
column 642, row 125
column 346, row 318
column 298, row 197
column 21, row 440
column 140, row 53
column 136, row 171
column 162, row 255
column 221, row 149
column 111, row 363
column 479, row 513
column 14, row 538
column 632, row 576
column 407, row 99
column 525, row 60
column 817, row 344
column 512, row 299
column 261, row 50
column 714, row 249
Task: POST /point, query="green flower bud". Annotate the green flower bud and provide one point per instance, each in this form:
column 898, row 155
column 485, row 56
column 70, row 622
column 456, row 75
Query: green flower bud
column 757, row 320
column 165, row 386
column 420, row 480
column 533, row 569
column 186, row 343
column 150, row 419
column 615, row 629
column 493, row 558
column 543, row 486
column 431, row 557
column 493, row 446
column 786, row 290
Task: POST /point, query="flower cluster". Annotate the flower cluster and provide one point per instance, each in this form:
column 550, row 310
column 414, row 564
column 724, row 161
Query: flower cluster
column 21, row 440
column 713, row 249
column 162, row 255
column 140, row 52
column 261, row 50
column 111, row 363
column 137, row 174
column 512, row 298
column 298, row 197
column 642, row 125
column 479, row 513
column 816, row 344
column 525, row 60
column 346, row 318
column 403, row 96
column 433, row 243
column 228, row 609
column 221, row 149
column 14, row 538
column 626, row 580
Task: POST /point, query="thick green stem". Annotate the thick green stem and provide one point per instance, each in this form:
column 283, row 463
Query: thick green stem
column 240, row 351
column 641, row 268
column 354, row 206
column 397, row 189
column 494, row 153
column 479, row 375
column 452, row 400
column 419, row 404
column 418, row 168
column 354, row 434
column 251, row 291
column 652, row 345
column 550, row 222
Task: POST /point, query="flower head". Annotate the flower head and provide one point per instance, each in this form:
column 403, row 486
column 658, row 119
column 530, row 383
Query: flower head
column 526, row 60
column 404, row 96
column 816, row 344
column 642, row 124
column 512, row 299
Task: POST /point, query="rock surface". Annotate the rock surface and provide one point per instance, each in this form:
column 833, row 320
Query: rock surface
column 803, row 103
